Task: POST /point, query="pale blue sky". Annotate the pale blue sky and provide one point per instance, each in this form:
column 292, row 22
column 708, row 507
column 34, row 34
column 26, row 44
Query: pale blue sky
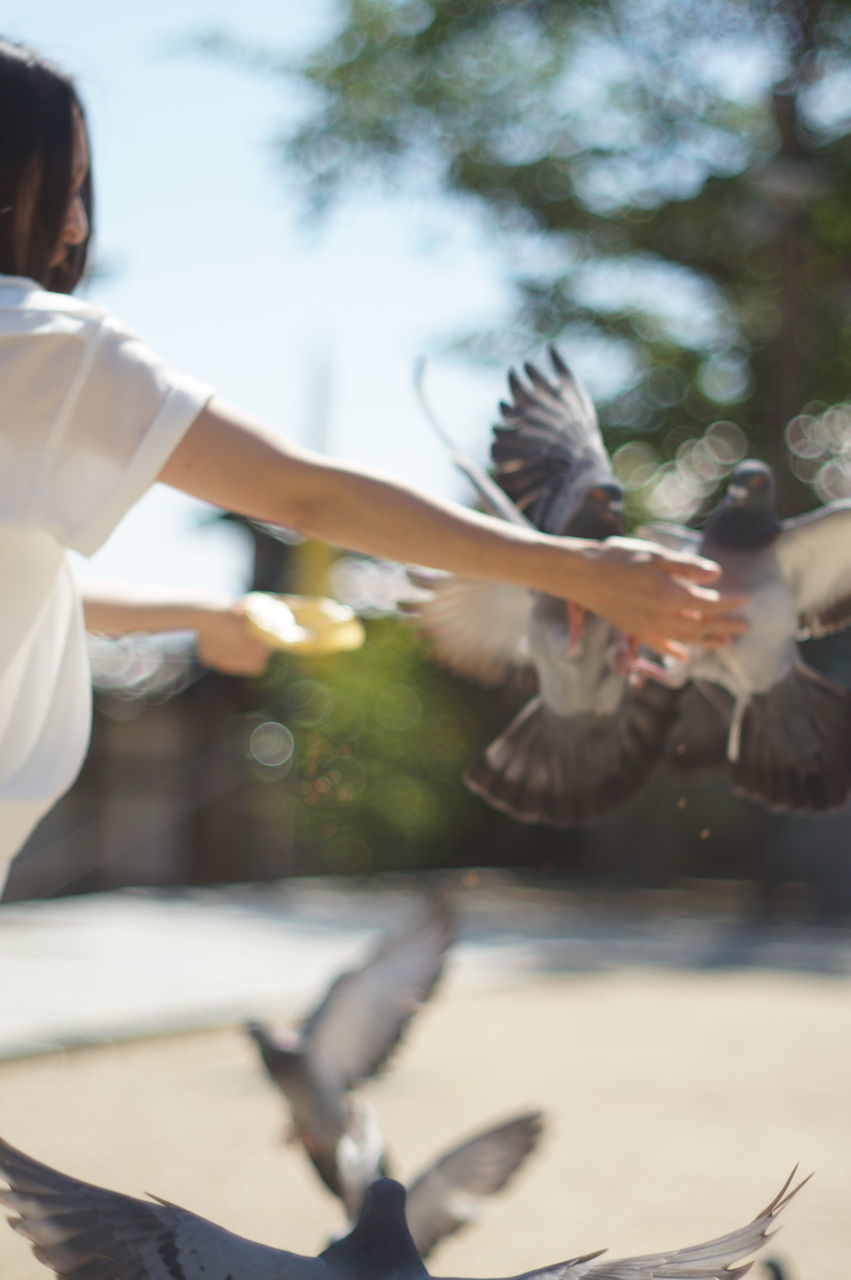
column 214, row 267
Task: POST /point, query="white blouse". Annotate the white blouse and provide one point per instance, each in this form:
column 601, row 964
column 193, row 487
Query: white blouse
column 88, row 417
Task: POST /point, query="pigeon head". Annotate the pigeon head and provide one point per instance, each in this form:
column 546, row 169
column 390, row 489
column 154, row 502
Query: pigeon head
column 751, row 486
column 745, row 519
column 282, row 1041
column 600, row 514
column 280, row 1051
column 380, row 1244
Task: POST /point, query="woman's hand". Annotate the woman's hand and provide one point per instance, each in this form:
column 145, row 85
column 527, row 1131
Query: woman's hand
column 662, row 598
column 226, row 644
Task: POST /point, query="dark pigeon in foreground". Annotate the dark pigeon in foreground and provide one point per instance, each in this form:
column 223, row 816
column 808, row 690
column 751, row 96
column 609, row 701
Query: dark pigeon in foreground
column 588, row 740
column 783, row 729
column 348, row 1038
column 84, row 1232
column 448, row 1194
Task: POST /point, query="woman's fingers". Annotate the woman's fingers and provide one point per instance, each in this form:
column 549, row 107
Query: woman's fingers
column 696, row 614
column 692, row 568
column 666, row 648
column 226, row 643
column 707, row 601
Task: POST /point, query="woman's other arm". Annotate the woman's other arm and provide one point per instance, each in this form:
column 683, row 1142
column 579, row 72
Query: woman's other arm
column 224, row 640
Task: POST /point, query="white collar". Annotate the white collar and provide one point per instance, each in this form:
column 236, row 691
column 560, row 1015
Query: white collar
column 18, row 282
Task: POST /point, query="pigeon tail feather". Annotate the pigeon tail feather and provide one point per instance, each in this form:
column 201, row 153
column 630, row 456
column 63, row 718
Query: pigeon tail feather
column 794, row 751
column 698, row 741
column 566, row 771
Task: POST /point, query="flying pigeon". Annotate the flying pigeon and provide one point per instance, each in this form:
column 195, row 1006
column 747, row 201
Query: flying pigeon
column 588, row 739
column 447, row 1195
column 84, row 1232
column 348, row 1038
column 784, row 730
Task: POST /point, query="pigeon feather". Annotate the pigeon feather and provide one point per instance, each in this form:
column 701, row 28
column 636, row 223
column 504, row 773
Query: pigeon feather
column 477, row 629
column 353, row 1031
column 788, row 729
column 84, row 1232
column 549, row 451
column 712, row 1260
column 589, row 739
column 448, row 1194
column 814, row 555
column 349, row 1037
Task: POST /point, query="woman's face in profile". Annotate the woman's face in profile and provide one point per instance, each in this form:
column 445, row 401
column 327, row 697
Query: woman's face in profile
column 75, row 228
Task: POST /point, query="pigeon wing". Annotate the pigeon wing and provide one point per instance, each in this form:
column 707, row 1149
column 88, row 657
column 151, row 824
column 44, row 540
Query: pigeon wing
column 477, row 629
column 713, row 1260
column 815, row 557
column 447, row 1195
column 571, row 1269
column 548, row 452
column 85, row 1232
column 355, row 1028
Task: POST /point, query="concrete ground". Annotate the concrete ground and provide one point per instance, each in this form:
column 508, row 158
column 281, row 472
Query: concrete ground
column 684, row 1065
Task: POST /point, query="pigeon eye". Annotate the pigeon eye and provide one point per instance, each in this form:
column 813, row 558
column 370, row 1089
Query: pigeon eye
column 597, row 494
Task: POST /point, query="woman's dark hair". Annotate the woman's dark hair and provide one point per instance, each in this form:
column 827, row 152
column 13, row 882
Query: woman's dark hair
column 37, row 109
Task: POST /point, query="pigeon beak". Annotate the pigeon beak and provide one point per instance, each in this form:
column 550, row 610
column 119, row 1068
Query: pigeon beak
column 737, row 493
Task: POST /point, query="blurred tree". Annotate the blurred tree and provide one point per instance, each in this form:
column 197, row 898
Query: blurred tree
column 380, row 740
column 674, row 177
column 684, row 168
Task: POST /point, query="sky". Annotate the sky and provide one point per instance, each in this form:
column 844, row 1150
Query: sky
column 208, row 255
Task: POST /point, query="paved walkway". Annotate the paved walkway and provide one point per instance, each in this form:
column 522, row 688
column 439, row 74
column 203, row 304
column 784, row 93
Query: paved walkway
column 135, row 962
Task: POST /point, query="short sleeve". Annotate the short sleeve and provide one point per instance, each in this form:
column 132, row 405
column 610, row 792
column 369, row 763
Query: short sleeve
column 124, row 413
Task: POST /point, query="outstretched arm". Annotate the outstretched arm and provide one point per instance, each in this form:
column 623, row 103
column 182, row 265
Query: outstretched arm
column 223, row 638
column 237, row 463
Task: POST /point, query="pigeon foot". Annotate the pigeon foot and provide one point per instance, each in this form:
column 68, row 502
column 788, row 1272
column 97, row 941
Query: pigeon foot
column 639, row 670
column 575, row 627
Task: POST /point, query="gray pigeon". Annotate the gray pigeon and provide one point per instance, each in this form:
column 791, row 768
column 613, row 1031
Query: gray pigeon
column 784, row 730
column 84, row 1232
column 588, row 739
column 349, row 1038
column 447, row 1195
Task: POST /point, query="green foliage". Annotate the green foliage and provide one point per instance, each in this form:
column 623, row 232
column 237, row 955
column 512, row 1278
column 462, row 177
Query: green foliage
column 680, row 173
column 382, row 739
column 692, row 150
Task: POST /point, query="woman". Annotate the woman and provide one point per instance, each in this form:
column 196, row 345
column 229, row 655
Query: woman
column 90, row 418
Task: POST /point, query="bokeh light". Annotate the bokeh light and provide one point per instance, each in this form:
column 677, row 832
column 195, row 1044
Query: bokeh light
column 819, row 444
column 271, row 744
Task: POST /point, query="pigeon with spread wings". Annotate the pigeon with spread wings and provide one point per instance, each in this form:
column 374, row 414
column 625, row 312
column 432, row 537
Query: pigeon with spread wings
column 783, row 729
column 85, row 1232
column 348, row 1038
column 588, row 740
